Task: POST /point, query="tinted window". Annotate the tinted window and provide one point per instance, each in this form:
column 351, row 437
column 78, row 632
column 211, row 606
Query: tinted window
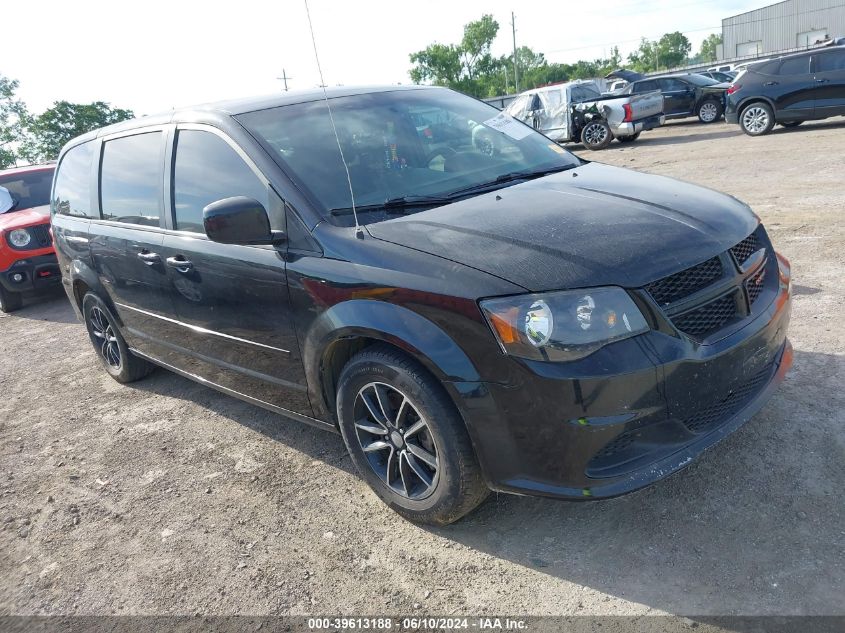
column 28, row 189
column 766, row 68
column 795, row 66
column 392, row 152
column 830, row 61
column 585, row 93
column 700, row 80
column 672, row 85
column 207, row 169
column 72, row 195
column 645, row 86
column 130, row 180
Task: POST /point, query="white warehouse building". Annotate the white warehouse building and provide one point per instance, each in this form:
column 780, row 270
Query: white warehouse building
column 784, row 26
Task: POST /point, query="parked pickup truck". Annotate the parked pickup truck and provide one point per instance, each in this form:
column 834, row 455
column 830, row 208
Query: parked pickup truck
column 577, row 111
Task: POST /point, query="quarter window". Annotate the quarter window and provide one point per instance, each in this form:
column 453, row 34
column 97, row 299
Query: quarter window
column 72, row 194
column 795, row 66
column 827, row 62
column 131, row 179
column 207, row 169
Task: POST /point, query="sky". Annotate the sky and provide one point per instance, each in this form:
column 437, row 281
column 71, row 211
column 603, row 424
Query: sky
column 155, row 55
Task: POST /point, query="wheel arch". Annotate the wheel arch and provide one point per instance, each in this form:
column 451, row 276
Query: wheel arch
column 83, row 280
column 346, row 328
column 744, row 103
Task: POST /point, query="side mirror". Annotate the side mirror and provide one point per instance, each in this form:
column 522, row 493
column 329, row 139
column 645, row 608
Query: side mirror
column 239, row 220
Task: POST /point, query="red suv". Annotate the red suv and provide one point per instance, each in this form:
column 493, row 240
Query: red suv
column 27, row 258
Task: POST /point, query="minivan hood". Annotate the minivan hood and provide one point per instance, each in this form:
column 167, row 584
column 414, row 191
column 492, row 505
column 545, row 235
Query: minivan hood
column 595, row 225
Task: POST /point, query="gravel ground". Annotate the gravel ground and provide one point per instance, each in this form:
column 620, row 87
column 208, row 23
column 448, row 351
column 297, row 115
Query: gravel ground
column 166, row 497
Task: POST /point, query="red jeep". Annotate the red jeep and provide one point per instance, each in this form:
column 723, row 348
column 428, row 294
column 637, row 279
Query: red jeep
column 27, row 258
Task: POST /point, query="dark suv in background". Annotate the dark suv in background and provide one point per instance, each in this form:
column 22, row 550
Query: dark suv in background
column 684, row 95
column 788, row 90
column 517, row 319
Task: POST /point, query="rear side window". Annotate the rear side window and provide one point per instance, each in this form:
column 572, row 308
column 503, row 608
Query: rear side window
column 207, row 169
column 833, row 61
column 672, row 85
column 795, row 66
column 72, row 195
column 645, row 86
column 131, row 179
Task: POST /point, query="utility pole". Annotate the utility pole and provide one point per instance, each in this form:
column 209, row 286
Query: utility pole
column 515, row 66
column 284, row 78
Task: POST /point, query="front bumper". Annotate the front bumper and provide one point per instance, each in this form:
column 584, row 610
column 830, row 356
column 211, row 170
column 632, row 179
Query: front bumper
column 31, row 273
column 639, row 410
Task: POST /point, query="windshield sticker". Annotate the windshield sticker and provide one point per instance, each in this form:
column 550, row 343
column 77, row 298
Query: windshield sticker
column 556, row 148
column 506, row 124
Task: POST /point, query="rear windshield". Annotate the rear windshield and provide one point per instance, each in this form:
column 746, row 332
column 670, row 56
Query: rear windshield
column 700, row 80
column 28, row 189
column 404, row 143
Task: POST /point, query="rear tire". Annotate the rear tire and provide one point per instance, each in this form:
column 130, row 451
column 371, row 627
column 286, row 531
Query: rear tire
column 790, row 123
column 109, row 344
column 757, row 119
column 419, row 458
column 10, row 301
column 628, row 139
column 709, row 111
column 596, row 135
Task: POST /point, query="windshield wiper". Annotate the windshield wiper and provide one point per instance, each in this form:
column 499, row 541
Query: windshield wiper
column 510, row 177
column 395, row 205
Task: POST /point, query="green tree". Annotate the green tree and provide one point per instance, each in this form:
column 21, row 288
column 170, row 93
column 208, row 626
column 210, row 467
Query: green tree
column 708, row 47
column 50, row 130
column 669, row 51
column 468, row 66
column 13, row 116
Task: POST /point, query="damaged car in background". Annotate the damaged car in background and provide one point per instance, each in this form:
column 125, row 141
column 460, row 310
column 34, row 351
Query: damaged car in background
column 578, row 112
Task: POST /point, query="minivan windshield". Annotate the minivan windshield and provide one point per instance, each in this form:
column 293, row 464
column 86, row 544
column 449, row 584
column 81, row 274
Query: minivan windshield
column 407, row 150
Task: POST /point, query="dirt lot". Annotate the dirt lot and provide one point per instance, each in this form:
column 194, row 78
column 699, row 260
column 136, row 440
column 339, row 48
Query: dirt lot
column 167, row 497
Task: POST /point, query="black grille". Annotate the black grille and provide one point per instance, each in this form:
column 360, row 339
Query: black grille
column 710, row 417
column 42, row 235
column 755, row 286
column 708, row 317
column 617, row 445
column 745, row 248
column 686, row 282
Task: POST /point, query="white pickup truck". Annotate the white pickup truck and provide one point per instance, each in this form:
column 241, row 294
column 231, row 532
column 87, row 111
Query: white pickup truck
column 577, row 111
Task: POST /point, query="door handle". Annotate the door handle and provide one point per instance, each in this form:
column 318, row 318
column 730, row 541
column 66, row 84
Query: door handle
column 822, row 81
column 179, row 263
column 771, row 83
column 148, row 258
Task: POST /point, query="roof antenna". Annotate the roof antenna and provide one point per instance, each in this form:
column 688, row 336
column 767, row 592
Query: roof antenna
column 359, row 232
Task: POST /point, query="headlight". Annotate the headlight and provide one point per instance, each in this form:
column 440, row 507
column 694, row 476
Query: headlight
column 562, row 326
column 19, row 238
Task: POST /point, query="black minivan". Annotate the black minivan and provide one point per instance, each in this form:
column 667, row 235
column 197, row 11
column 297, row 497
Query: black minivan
column 788, row 91
column 488, row 312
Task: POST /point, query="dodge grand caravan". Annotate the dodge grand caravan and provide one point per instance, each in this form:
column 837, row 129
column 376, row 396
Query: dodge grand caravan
column 488, row 311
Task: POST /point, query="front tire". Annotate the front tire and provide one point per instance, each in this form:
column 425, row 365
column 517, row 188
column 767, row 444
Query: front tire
column 109, row 344
column 596, row 135
column 406, row 438
column 10, row 301
column 709, row 111
column 757, row 119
